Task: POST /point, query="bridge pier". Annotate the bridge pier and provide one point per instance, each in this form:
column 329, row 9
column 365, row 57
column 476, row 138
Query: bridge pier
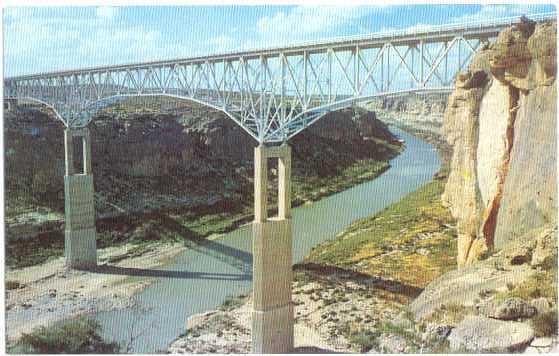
column 272, row 314
column 80, row 248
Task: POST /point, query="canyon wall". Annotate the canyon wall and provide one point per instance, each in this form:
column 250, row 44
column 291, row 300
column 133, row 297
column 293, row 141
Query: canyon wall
column 146, row 160
column 501, row 122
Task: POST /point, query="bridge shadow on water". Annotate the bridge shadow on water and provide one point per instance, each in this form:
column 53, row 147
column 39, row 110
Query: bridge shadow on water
column 143, row 272
column 234, row 257
column 238, row 259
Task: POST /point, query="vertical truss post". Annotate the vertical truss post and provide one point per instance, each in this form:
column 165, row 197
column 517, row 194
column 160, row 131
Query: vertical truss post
column 413, row 49
column 446, row 63
column 282, row 95
column 305, row 78
column 272, row 313
column 330, row 75
column 388, row 67
column 459, row 54
column 262, row 117
column 421, row 60
column 382, row 71
column 356, row 69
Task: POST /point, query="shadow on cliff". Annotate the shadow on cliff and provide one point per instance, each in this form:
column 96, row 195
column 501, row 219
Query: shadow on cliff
column 331, row 273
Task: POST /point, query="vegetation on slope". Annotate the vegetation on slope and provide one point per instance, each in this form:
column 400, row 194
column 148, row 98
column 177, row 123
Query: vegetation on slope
column 74, row 336
column 411, row 241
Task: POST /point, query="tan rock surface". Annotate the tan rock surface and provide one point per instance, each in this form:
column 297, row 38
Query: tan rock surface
column 503, row 174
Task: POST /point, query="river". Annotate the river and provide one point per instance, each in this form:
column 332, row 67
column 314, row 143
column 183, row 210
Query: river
column 202, row 277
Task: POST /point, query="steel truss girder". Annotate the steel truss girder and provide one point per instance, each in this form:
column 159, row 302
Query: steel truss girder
column 275, row 94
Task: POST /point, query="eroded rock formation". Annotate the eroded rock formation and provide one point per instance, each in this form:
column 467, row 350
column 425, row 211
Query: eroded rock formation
column 501, row 122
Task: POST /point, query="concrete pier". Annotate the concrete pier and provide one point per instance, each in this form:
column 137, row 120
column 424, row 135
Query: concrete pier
column 272, row 315
column 80, row 248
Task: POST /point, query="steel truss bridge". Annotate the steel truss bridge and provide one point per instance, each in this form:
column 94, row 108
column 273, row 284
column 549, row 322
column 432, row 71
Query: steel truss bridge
column 274, row 93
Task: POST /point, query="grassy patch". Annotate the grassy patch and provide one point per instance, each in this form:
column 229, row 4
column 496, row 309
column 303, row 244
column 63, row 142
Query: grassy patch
column 542, row 284
column 232, row 302
column 365, row 340
column 451, row 313
column 12, row 285
column 409, row 241
column 75, row 336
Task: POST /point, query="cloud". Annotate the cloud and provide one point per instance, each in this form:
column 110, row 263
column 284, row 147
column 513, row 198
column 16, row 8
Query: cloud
column 488, row 12
column 38, row 41
column 106, row 12
column 303, row 22
column 222, row 43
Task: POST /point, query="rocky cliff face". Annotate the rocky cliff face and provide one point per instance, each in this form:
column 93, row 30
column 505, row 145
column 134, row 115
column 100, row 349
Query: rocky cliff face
column 415, row 111
column 501, row 122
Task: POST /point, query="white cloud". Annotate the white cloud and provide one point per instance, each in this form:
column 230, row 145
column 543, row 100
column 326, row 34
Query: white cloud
column 222, row 43
column 106, row 12
column 303, row 21
column 65, row 42
column 488, row 12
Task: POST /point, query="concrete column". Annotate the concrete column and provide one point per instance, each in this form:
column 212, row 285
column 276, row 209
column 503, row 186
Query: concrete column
column 80, row 248
column 272, row 314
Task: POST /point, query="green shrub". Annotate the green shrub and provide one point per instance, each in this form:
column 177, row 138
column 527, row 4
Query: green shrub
column 75, row 336
column 12, row 285
column 365, row 340
column 232, row 302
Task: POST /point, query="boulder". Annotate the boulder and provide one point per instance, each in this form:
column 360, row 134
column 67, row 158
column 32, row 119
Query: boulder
column 392, row 343
column 541, row 305
column 545, row 252
column 437, row 332
column 501, row 123
column 482, row 335
column 509, row 309
column 463, row 286
column 518, row 255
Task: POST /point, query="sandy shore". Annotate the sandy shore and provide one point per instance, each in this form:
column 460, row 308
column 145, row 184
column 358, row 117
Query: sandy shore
column 49, row 292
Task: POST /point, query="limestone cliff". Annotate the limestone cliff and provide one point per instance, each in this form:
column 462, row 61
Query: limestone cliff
column 501, row 123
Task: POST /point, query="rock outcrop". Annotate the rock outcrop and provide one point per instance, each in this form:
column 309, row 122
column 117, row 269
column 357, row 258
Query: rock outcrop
column 415, row 111
column 483, row 335
column 501, row 123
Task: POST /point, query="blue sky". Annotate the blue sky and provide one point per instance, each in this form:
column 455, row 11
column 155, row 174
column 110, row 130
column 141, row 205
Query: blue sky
column 54, row 38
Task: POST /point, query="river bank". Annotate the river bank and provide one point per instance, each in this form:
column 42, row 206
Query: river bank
column 40, row 289
column 348, row 289
column 43, row 293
